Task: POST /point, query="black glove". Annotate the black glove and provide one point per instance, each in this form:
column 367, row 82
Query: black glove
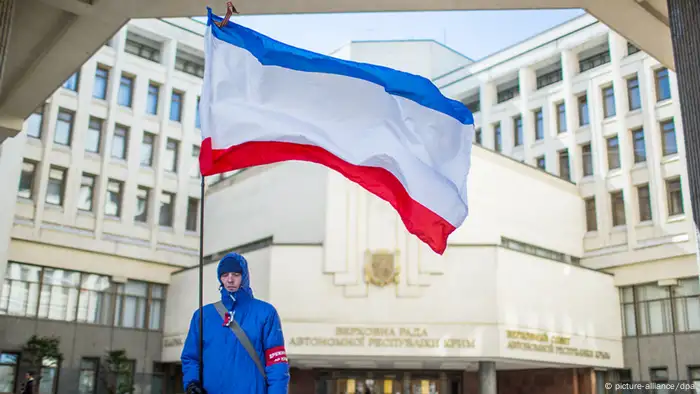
column 195, row 388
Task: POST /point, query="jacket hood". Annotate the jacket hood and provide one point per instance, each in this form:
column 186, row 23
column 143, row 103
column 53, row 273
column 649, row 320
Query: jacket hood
column 237, row 259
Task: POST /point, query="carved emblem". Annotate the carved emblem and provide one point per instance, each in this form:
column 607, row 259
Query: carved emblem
column 381, row 268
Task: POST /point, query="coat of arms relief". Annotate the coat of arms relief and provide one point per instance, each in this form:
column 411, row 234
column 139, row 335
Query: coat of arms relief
column 381, row 268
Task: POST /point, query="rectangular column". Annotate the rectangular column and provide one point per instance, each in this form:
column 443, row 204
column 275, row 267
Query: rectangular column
column 685, row 34
column 7, row 11
column 487, row 377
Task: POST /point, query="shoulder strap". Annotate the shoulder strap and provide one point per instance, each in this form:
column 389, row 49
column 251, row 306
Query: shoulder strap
column 242, row 337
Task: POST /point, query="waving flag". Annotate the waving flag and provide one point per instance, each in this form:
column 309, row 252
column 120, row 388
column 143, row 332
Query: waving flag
column 391, row 132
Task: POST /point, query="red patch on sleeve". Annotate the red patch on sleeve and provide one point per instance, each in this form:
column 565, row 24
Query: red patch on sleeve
column 275, row 355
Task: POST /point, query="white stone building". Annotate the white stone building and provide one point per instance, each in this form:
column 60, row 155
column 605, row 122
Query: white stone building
column 107, row 209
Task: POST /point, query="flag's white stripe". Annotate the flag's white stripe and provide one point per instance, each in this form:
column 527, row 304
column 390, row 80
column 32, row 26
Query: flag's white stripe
column 353, row 119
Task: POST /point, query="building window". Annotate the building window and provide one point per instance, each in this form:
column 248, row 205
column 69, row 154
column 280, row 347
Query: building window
column 654, row 309
column 87, row 380
column 113, row 203
column 64, row 127
column 60, row 290
column 95, row 303
column 142, row 47
column 26, row 180
column 72, row 82
column 119, row 142
column 561, row 118
column 190, row 64
column 686, row 302
column 535, row 250
column 176, row 101
column 93, row 136
column 86, row 196
column 194, row 170
column 694, row 376
column 564, row 170
column 56, row 186
column 152, row 99
column 618, row 208
column 126, row 91
column 20, row 290
column 674, row 196
column 8, row 372
column 633, row 96
column 668, row 140
column 477, row 137
column 508, row 91
column 594, row 60
column 518, row 130
column 587, row 159
column 48, row 374
column 142, row 197
column 640, row 151
column 156, row 307
column 81, row 297
column 583, row 117
column 663, row 86
column 549, row 77
column 192, row 214
column 99, row 89
column 658, row 375
column 541, row 164
column 644, row 201
column 539, row 125
column 35, row 123
column 608, row 102
column 167, row 205
column 497, row 143
column 147, row 149
column 138, row 303
column 171, row 155
column 613, row 149
column 197, row 122
column 591, row 219
column 629, row 317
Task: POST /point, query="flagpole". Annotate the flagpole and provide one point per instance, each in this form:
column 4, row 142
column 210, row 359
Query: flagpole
column 201, row 284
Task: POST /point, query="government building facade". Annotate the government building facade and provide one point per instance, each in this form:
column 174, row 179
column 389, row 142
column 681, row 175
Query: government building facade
column 576, row 267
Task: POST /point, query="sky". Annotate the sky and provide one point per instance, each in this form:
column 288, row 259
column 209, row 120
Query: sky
column 475, row 34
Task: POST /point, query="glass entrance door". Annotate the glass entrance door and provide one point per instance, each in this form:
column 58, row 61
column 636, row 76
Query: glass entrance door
column 386, row 382
column 425, row 386
column 365, row 385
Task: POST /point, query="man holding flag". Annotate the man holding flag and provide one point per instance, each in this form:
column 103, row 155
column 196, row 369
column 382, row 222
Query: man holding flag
column 243, row 341
column 265, row 102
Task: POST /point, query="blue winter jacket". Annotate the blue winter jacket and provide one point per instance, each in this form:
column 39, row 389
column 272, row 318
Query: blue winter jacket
column 228, row 369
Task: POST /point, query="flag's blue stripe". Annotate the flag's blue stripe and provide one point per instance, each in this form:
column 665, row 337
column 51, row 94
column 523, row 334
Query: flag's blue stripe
column 274, row 53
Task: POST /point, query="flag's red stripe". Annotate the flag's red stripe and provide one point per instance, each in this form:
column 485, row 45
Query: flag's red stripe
column 419, row 220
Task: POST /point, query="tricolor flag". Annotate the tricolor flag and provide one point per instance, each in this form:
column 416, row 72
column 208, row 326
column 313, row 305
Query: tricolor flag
column 391, row 132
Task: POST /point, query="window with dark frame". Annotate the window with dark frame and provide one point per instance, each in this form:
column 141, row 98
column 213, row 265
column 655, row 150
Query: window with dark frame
column 587, row 159
column 634, row 98
column 674, row 196
column 591, row 219
column 613, row 151
column 644, row 201
column 564, row 165
column 618, row 208
column 518, row 130
column 609, row 110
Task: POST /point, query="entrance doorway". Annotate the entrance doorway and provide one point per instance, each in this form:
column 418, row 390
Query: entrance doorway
column 387, row 382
